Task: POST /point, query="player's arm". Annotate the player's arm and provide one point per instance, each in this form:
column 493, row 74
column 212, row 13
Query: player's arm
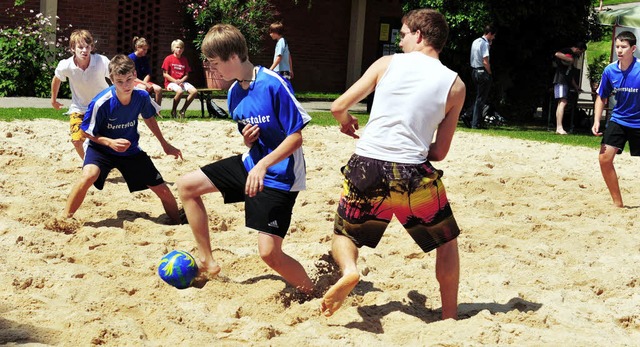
column 598, row 108
column 255, row 178
column 152, row 124
column 55, row 88
column 118, row 145
column 455, row 100
column 358, row 91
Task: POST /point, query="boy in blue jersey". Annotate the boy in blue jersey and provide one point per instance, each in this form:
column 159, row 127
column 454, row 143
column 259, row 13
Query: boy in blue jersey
column 269, row 176
column 111, row 125
column 621, row 78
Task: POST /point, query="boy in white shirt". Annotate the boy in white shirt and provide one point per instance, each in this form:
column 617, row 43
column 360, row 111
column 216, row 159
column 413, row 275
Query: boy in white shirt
column 87, row 75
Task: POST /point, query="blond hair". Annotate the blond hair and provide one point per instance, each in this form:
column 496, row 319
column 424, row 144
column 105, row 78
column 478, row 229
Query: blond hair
column 224, row 40
column 176, row 43
column 78, row 36
column 139, row 42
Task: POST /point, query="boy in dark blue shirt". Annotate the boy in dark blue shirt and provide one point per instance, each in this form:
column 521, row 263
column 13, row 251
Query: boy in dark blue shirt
column 111, row 125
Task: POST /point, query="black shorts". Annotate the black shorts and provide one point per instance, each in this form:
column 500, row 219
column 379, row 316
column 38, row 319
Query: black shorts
column 137, row 170
column 616, row 135
column 269, row 211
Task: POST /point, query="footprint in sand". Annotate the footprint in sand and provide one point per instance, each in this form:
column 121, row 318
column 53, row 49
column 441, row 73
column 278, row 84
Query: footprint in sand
column 62, row 225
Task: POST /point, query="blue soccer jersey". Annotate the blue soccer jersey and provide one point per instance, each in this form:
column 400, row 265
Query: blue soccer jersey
column 270, row 104
column 625, row 85
column 108, row 117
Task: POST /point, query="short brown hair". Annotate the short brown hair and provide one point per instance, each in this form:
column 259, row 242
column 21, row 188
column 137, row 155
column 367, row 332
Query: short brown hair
column 80, row 35
column 276, row 27
column 224, row 40
column 432, row 25
column 121, row 65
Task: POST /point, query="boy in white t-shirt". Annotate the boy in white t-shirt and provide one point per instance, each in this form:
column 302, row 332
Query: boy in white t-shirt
column 87, row 75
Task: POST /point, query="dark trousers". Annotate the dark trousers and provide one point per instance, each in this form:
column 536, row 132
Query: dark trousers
column 482, row 81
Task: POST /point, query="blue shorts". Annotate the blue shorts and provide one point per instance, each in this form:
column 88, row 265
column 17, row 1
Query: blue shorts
column 137, row 170
column 374, row 191
column 269, row 211
column 561, row 91
column 616, row 135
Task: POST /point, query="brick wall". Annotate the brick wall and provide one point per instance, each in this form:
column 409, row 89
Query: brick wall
column 318, row 40
column 113, row 28
column 7, row 4
column 318, row 36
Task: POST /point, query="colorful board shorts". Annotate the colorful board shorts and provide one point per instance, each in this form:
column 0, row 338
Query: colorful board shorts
column 374, row 191
column 75, row 119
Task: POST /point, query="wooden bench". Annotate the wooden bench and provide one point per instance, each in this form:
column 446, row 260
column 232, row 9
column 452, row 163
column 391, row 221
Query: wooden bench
column 204, row 95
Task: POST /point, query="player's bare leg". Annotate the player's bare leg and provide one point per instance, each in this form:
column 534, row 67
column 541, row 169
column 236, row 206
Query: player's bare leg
column 345, row 253
column 270, row 248
column 448, row 275
column 78, row 145
column 191, row 187
column 169, row 202
column 607, row 154
column 90, row 174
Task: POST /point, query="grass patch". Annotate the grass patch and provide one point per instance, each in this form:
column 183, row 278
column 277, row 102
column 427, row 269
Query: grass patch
column 316, row 96
column 597, row 48
column 606, row 3
column 302, row 96
column 539, row 134
column 531, row 133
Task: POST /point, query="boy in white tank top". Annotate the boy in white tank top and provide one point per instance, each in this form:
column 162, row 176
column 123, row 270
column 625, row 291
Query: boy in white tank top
column 390, row 172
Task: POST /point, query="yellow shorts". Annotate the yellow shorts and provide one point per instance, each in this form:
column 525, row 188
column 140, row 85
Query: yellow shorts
column 75, row 119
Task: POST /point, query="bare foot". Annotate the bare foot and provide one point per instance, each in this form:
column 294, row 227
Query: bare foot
column 561, row 132
column 208, row 271
column 336, row 295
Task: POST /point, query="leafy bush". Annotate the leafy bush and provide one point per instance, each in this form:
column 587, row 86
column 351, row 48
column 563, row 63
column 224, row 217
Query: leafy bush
column 596, row 67
column 30, row 53
column 251, row 17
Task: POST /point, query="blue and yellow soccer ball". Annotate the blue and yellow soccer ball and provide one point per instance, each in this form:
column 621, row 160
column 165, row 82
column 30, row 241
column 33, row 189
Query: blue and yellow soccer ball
column 178, row 268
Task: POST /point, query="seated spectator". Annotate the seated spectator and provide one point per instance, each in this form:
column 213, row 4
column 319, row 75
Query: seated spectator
column 143, row 68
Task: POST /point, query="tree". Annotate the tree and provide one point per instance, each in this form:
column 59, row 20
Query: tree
column 529, row 33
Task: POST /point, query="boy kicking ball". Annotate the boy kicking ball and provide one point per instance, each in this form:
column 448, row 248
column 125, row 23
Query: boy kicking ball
column 268, row 177
column 111, row 125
